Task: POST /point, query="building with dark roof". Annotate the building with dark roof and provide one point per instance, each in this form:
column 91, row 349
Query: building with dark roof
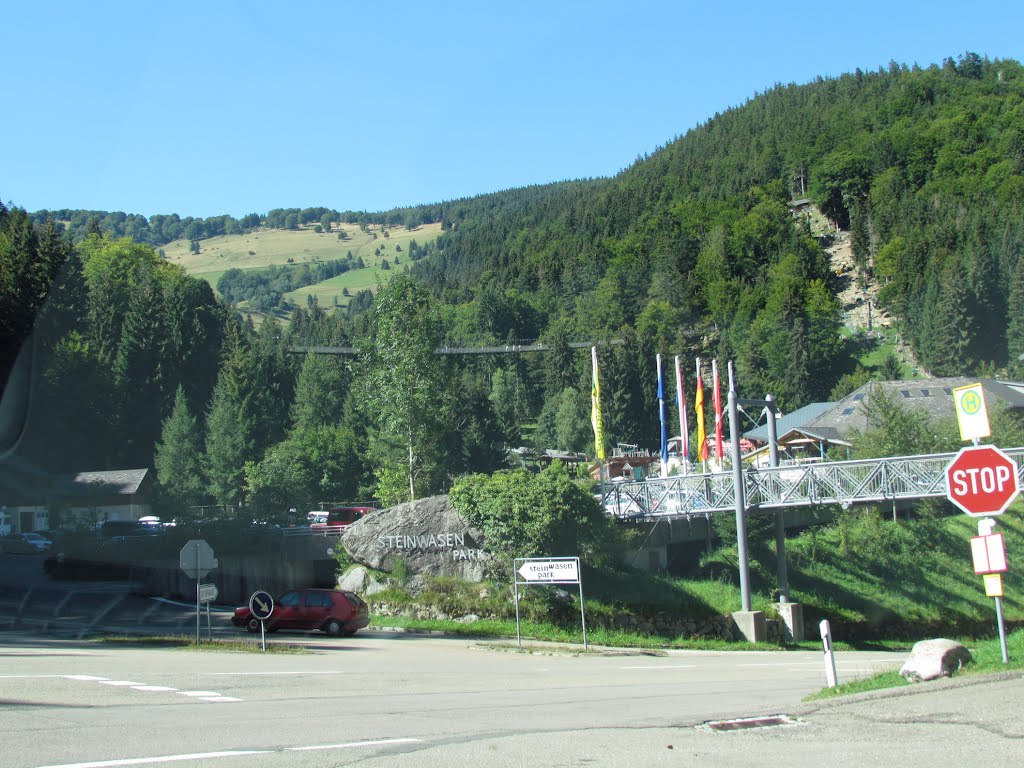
column 809, row 431
column 85, row 497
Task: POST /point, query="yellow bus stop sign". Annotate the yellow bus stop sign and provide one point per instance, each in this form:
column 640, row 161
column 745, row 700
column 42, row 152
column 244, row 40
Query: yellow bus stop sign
column 971, row 414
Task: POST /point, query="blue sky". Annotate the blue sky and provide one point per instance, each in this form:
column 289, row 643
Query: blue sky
column 202, row 108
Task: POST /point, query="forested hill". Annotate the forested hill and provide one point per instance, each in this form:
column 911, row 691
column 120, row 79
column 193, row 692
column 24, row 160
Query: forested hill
column 695, row 245
column 694, row 250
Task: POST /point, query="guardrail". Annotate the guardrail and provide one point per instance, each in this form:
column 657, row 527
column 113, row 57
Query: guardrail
column 330, row 531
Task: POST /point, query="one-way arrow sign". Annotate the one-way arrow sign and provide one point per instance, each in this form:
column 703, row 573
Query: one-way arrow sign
column 556, row 569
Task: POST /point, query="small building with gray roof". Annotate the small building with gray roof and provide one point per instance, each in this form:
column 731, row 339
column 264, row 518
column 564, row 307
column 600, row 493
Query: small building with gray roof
column 809, row 431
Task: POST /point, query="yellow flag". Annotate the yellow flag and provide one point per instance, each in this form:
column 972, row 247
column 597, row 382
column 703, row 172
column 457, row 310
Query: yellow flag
column 595, row 409
column 698, row 407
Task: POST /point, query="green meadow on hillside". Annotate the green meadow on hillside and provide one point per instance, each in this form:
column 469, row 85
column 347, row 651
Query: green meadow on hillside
column 266, row 247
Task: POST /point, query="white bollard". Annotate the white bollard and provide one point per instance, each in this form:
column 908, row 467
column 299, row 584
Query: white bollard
column 830, row 657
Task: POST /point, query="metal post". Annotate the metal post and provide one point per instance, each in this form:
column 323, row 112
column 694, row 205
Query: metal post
column 198, row 579
column 1002, row 629
column 515, row 581
column 583, row 618
column 737, row 477
column 773, row 432
column 780, row 514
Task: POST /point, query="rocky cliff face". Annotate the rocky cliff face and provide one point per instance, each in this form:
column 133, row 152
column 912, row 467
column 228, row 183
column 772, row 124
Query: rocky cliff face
column 427, row 534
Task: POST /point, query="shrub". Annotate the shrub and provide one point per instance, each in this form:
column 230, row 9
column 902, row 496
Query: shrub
column 534, row 515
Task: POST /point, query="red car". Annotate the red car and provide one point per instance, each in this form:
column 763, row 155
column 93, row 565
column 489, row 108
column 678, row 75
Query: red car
column 334, row 611
column 340, row 518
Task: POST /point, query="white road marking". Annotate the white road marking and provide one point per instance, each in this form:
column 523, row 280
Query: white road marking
column 26, row 677
column 353, row 744
column 159, row 759
column 218, row 699
column 296, row 674
column 664, row 666
column 233, row 753
column 211, row 696
column 152, row 688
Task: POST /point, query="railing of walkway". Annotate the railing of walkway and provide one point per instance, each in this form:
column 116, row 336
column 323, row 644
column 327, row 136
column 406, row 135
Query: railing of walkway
column 839, row 482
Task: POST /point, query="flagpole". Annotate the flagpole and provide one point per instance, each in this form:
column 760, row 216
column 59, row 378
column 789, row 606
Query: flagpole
column 684, row 438
column 661, row 416
column 717, row 400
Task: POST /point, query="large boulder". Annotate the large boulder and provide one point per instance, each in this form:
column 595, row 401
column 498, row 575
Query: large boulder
column 359, row 579
column 930, row 659
column 428, row 535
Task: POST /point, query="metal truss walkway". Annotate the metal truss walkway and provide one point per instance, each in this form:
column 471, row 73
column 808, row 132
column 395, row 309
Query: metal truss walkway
column 768, row 488
column 481, row 349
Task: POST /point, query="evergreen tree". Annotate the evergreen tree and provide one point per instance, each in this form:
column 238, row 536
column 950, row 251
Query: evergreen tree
column 232, row 431
column 890, row 369
column 988, row 297
column 320, row 392
column 228, row 447
column 136, row 370
column 1015, row 310
column 178, row 459
column 953, row 324
column 29, row 263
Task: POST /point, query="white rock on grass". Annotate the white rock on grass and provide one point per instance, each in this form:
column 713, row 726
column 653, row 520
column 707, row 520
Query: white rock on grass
column 930, row 659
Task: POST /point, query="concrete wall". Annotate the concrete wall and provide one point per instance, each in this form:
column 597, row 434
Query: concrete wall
column 238, row 577
column 659, row 545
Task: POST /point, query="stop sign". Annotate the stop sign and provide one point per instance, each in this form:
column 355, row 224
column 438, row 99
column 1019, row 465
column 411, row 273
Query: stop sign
column 982, row 480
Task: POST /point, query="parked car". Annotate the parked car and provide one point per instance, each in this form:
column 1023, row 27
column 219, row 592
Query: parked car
column 24, row 544
column 340, row 518
column 112, row 529
column 40, row 542
column 333, row 611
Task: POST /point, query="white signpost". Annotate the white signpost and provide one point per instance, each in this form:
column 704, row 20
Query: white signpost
column 988, row 552
column 548, row 570
column 207, row 594
column 196, row 560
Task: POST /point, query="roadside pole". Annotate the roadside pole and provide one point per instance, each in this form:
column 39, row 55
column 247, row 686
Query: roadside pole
column 197, row 559
column 737, row 476
column 830, row 657
column 199, row 578
column 1002, row 628
column 988, row 552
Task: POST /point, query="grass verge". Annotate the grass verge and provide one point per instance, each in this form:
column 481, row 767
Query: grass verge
column 184, row 643
column 987, row 658
column 602, row 637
